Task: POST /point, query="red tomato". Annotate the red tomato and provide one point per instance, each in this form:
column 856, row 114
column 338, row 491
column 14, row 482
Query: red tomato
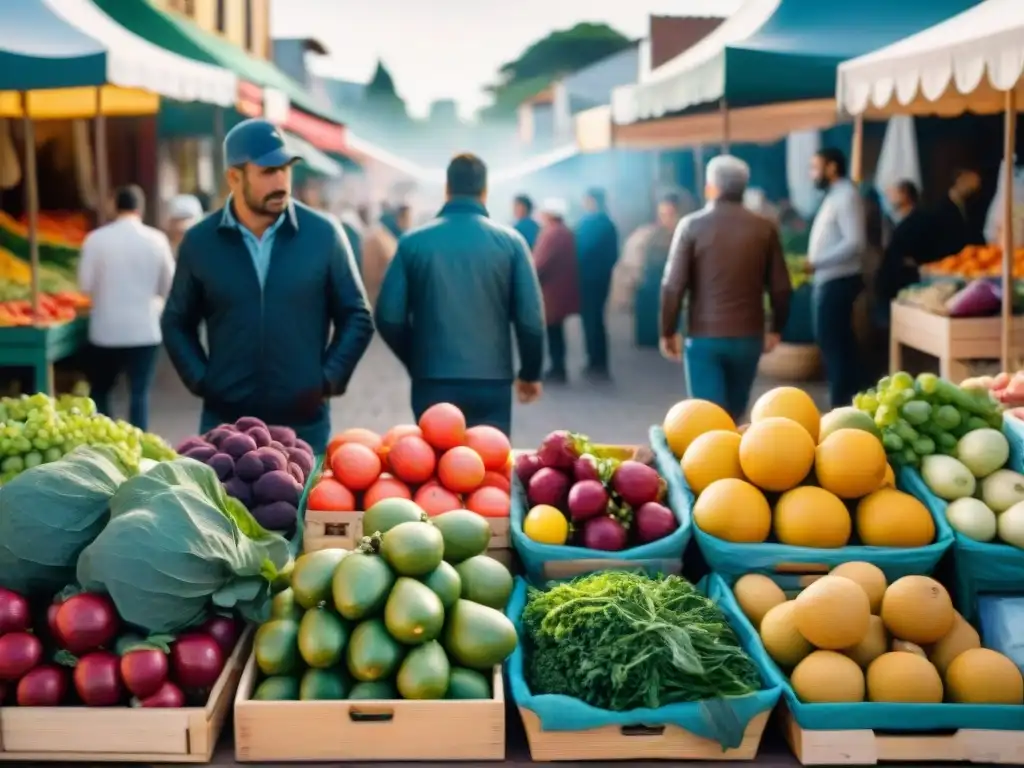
column 331, row 496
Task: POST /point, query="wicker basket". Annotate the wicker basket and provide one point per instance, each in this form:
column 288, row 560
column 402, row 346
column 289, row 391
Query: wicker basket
column 791, row 362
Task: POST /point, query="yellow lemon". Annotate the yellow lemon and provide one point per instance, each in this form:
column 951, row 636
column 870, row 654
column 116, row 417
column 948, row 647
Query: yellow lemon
column 546, row 525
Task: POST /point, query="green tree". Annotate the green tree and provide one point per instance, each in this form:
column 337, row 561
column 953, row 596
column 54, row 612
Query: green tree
column 382, row 98
column 559, row 54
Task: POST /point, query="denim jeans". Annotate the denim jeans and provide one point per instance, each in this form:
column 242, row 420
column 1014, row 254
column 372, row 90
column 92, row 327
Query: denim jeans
column 138, row 364
column 833, row 330
column 556, row 348
column 722, row 370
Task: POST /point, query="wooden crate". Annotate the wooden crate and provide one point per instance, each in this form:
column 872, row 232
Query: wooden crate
column 293, row 731
column 866, row 747
column 611, row 742
column 331, row 530
column 121, row 734
column 499, row 533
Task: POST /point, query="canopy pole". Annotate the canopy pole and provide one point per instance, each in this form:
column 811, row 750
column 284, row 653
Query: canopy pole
column 31, row 202
column 726, row 138
column 1009, row 145
column 698, row 171
column 101, row 159
column 220, row 192
column 857, row 150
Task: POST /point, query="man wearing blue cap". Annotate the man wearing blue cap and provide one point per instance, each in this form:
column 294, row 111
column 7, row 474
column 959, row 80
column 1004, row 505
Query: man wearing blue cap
column 276, row 284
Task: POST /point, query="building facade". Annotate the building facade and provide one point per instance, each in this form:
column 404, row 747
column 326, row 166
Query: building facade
column 246, row 23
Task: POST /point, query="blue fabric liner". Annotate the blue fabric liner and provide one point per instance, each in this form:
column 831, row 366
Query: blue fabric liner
column 981, row 566
column 723, row 720
column 658, row 555
column 295, row 543
column 727, row 558
column 1013, row 428
column 883, row 716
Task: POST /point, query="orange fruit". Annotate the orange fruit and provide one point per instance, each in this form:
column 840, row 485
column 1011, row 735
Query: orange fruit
column 489, row 502
column 689, row 419
column 492, row 445
column 433, row 498
column 461, row 470
column 412, row 460
column 386, row 487
column 712, row 456
column 497, row 480
column 776, row 454
column 392, row 436
column 331, row 496
column 789, row 403
column 355, row 466
column 444, row 426
column 366, row 437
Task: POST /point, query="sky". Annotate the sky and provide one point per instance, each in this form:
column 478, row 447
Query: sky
column 437, row 49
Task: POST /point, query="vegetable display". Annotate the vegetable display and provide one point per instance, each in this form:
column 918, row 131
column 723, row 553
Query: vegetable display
column 264, row 467
column 620, row 641
column 926, row 416
column 581, row 497
column 39, row 429
column 414, row 612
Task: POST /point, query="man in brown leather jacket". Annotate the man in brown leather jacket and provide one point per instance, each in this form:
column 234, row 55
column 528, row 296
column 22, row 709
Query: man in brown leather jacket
column 722, row 261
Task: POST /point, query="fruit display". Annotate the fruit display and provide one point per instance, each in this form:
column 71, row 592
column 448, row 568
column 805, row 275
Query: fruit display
column 853, row 637
column 931, row 297
column 831, row 487
column 580, row 496
column 976, row 261
column 927, row 415
column 1007, row 388
column 79, row 652
column 36, row 429
column 414, row 612
column 439, row 463
column 264, row 467
column 54, row 308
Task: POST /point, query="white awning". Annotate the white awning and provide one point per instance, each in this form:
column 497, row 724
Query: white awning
column 966, row 63
column 134, row 62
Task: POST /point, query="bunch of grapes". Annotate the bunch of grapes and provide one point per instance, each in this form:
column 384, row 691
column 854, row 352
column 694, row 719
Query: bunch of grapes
column 36, row 429
column 919, row 417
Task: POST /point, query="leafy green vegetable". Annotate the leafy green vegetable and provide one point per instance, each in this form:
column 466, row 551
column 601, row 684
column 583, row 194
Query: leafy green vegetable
column 50, row 513
column 620, row 641
column 176, row 546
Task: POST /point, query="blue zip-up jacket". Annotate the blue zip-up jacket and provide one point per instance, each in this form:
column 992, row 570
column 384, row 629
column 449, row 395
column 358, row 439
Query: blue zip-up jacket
column 597, row 247
column 453, row 294
column 272, row 353
column 529, row 229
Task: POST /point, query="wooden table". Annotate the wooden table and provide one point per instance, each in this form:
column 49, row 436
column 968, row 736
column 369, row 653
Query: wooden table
column 40, row 348
column 954, row 341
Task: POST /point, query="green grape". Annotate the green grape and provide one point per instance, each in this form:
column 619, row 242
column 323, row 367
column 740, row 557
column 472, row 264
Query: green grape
column 902, row 380
column 884, row 384
column 885, row 416
column 946, row 417
column 924, row 446
column 916, row 412
column 870, row 403
column 927, row 383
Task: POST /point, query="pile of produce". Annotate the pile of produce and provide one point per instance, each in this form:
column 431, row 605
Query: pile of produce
column 931, row 297
column 414, row 613
column 986, row 499
column 439, row 464
column 79, row 652
column 36, row 429
column 793, row 475
column 264, row 467
column 926, row 416
column 1006, row 388
column 583, row 498
column 976, row 261
column 850, row 637
column 59, row 238
column 621, row 641
column 54, row 308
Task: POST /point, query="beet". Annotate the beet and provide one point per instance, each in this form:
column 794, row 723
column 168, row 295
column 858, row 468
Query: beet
column 223, row 465
column 305, row 447
column 219, row 434
column 277, row 486
column 196, row 661
column 168, row 696
column 144, row 670
column 636, row 483
column 276, row 516
column 273, row 458
column 224, row 630
column 44, row 686
column 549, row 486
column 201, row 453
column 250, row 467
column 246, row 423
column 189, row 443
column 653, row 521
column 14, row 612
column 303, row 459
column 239, row 489
column 98, row 680
column 237, row 445
column 604, row 533
column 284, row 435
column 19, row 652
column 587, row 499
column 585, row 468
column 51, row 623
column 558, row 450
column 259, row 435
column 526, row 466
column 86, row 622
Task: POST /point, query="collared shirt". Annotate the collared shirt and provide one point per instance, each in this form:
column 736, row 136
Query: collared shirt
column 259, row 248
column 838, row 238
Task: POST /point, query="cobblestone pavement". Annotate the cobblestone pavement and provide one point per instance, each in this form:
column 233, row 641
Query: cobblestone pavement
column 644, row 386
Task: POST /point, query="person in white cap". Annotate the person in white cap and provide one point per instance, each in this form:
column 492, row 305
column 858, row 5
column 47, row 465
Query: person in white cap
column 182, row 212
column 554, row 256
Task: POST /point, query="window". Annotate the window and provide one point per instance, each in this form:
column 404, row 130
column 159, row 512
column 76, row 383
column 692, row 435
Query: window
column 222, row 16
column 249, row 38
column 188, row 7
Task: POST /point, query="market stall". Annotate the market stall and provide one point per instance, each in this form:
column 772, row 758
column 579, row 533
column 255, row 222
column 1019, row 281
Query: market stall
column 97, row 69
column 973, row 62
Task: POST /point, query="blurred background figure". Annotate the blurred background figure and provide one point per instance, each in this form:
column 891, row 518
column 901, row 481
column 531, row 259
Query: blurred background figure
column 597, row 244
column 379, row 246
column 907, row 249
column 525, row 224
column 182, row 212
column 954, row 222
column 555, row 259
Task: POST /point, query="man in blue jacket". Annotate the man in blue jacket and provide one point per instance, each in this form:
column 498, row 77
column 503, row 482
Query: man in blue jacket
column 597, row 248
column 453, row 294
column 525, row 224
column 276, row 284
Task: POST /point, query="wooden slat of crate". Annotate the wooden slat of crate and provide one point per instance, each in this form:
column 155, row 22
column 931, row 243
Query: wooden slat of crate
column 332, row 530
column 866, row 747
column 611, row 742
column 291, row 731
column 122, row 734
column 499, row 532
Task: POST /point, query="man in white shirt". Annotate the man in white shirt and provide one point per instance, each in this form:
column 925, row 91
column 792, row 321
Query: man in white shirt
column 126, row 267
column 835, row 258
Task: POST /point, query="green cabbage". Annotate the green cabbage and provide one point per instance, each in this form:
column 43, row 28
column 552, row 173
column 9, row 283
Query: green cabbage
column 177, row 545
column 50, row 513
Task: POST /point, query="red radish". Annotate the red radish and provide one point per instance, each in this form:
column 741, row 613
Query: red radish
column 587, row 499
column 558, row 450
column 14, row 612
column 19, row 652
column 98, row 680
column 526, row 466
column 197, row 661
column 604, row 533
column 51, row 623
column 654, row 521
column 144, row 670
column 549, row 486
column 44, row 686
column 86, row 622
column 224, row 630
column 167, row 696
column 636, row 483
column 585, row 468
